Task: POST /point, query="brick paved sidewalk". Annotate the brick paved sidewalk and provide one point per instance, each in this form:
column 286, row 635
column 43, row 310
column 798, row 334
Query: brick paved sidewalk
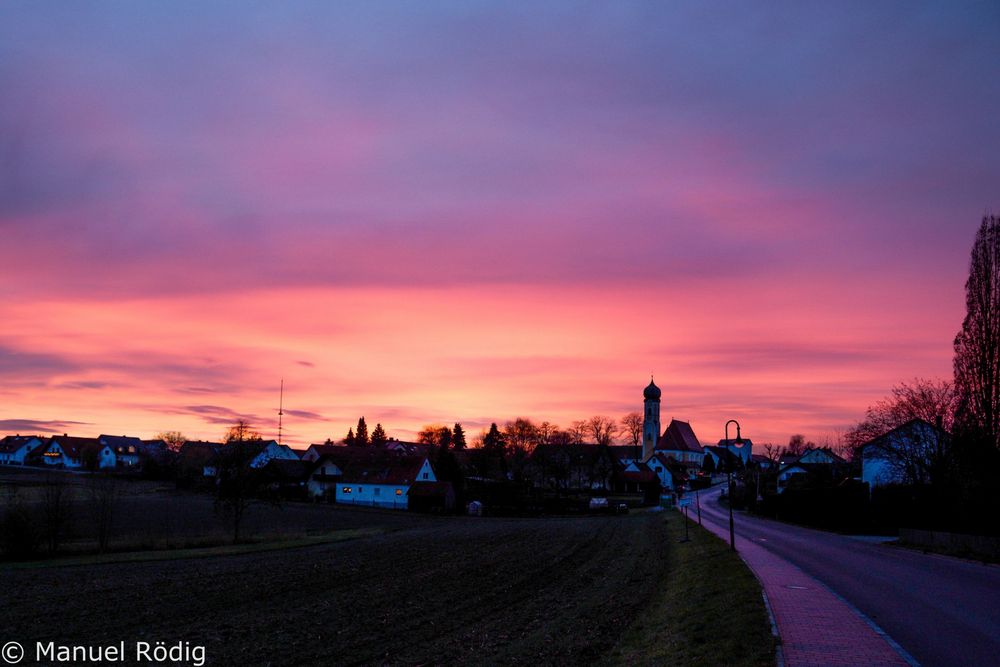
column 817, row 628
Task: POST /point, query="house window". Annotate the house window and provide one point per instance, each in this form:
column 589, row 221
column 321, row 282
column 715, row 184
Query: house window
column 346, row 489
column 399, row 492
column 425, row 476
column 361, row 489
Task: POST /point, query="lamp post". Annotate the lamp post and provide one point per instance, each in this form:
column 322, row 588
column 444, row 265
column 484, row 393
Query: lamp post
column 729, row 478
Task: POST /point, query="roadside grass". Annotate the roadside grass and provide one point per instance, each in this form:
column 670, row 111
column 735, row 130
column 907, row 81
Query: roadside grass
column 195, row 552
column 709, row 610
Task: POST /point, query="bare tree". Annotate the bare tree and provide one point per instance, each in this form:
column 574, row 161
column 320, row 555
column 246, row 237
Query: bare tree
column 772, row 452
column 173, row 439
column 632, row 427
column 930, row 400
column 521, row 435
column 238, row 482
column 577, row 431
column 796, row 445
column 920, row 454
column 56, row 504
column 977, row 345
column 434, row 434
column 602, row 429
column 104, row 493
column 546, row 432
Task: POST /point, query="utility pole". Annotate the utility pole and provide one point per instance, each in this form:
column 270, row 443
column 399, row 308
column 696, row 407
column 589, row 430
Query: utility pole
column 281, row 406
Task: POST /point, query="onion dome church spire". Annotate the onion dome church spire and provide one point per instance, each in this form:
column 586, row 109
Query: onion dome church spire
column 650, row 418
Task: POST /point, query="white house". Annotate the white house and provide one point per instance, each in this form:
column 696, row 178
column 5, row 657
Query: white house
column 72, row 452
column 127, row 450
column 14, row 449
column 382, row 483
column 324, row 478
column 903, row 455
column 270, row 450
column 660, row 465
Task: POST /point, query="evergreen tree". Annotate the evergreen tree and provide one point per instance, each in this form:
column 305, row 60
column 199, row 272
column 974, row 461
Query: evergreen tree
column 379, row 437
column 361, row 437
column 493, row 461
column 458, row 437
column 493, row 442
column 349, row 440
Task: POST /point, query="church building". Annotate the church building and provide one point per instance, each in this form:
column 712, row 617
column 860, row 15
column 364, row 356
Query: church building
column 678, row 441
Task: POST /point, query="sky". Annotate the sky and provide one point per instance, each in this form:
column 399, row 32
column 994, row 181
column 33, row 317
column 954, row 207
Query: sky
column 471, row 211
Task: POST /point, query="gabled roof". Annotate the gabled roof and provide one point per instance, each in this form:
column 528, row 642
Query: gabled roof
column 72, row 446
column 381, row 470
column 12, row 443
column 121, row 443
column 906, row 428
column 722, row 453
column 679, row 437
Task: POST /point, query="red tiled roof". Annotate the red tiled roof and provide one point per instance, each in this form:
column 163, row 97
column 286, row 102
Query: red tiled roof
column 679, row 436
column 72, row 446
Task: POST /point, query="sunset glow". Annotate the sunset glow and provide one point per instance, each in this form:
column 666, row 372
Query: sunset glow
column 461, row 212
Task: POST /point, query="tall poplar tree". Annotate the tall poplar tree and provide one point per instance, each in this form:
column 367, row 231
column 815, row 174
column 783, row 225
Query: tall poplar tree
column 977, row 345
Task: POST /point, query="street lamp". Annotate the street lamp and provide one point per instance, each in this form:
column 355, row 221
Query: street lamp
column 729, row 477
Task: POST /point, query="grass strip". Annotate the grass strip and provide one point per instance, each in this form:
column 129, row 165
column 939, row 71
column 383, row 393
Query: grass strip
column 198, row 552
column 708, row 610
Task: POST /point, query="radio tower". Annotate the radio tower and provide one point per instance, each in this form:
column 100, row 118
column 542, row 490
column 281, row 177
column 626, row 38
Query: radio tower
column 281, row 405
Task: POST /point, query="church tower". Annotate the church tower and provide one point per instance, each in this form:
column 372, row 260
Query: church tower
column 650, row 419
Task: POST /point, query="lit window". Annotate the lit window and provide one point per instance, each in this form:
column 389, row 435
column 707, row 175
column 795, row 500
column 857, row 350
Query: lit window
column 399, row 492
column 347, row 489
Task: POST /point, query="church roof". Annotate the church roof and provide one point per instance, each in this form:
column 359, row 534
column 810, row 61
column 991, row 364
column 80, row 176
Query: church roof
column 679, row 436
column 651, row 392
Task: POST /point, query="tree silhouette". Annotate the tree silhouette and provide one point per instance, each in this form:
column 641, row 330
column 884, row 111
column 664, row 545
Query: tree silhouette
column 977, row 345
column 349, row 438
column 632, row 426
column 602, row 429
column 361, row 437
column 379, row 437
column 458, row 437
column 237, row 481
column 173, row 439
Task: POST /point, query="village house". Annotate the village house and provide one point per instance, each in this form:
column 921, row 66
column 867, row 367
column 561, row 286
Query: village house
column 383, row 482
column 721, row 459
column 128, row 450
column 743, row 450
column 904, row 455
column 820, row 464
column 270, row 450
column 15, row 449
column 71, row 452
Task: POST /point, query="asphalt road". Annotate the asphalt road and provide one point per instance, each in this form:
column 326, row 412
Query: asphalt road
column 943, row 611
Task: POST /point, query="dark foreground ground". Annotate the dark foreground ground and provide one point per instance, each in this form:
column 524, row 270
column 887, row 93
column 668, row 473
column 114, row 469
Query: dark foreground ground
column 437, row 591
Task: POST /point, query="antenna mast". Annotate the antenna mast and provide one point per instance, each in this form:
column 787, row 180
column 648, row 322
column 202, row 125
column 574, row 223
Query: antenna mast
column 281, row 405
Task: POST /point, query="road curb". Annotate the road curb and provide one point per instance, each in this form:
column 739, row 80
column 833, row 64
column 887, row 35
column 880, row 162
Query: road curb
column 779, row 656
